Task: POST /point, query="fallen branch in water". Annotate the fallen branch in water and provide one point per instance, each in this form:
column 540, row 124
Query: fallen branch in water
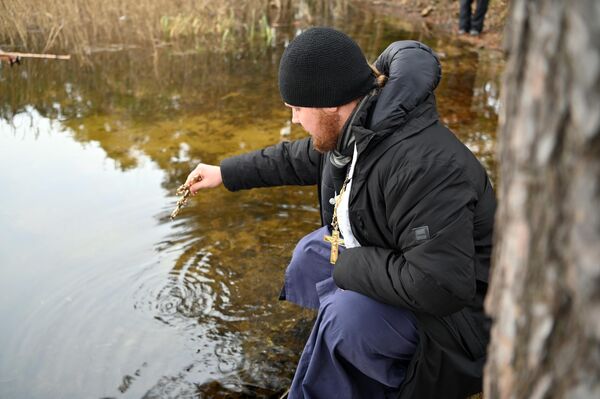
column 15, row 58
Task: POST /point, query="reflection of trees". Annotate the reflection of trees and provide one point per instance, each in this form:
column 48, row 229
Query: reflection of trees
column 132, row 102
column 174, row 107
column 468, row 100
column 160, row 102
column 486, row 105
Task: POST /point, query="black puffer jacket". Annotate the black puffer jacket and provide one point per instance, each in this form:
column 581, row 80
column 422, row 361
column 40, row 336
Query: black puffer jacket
column 421, row 206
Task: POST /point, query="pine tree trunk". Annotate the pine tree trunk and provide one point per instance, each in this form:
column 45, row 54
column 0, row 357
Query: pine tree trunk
column 545, row 285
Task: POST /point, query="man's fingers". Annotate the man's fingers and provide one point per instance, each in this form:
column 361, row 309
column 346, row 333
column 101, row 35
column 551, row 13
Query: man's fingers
column 204, row 176
column 193, row 177
column 194, row 188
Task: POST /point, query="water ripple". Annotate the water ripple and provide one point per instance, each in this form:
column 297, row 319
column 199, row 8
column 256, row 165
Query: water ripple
column 189, row 294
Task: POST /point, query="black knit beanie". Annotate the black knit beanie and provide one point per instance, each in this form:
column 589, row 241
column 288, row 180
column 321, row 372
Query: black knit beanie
column 323, row 67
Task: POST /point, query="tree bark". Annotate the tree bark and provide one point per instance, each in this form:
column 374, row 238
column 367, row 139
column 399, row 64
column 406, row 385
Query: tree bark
column 545, row 285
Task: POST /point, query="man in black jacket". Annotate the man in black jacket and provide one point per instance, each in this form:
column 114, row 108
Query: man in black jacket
column 413, row 202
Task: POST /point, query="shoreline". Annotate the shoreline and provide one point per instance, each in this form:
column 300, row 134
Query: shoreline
column 442, row 16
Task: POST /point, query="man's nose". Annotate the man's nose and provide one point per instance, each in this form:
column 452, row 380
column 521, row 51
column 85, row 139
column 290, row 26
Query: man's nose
column 295, row 117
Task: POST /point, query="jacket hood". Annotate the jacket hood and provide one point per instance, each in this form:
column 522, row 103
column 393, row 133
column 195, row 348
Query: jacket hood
column 413, row 72
column 406, row 104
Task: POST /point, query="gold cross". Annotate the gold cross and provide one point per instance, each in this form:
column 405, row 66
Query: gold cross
column 335, row 241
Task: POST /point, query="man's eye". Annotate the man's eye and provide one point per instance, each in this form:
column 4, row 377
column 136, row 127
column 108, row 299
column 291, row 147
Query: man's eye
column 296, row 109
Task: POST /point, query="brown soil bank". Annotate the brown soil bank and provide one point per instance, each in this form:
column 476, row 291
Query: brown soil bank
column 442, row 15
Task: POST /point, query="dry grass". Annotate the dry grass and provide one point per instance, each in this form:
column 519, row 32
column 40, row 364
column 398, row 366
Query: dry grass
column 81, row 26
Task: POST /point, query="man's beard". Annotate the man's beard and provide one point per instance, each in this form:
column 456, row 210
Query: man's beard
column 329, row 130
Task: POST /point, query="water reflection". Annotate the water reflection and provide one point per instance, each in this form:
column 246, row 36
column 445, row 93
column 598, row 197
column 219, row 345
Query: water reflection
column 102, row 295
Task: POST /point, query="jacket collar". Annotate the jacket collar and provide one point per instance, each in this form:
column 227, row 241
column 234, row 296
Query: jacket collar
column 403, row 107
column 422, row 116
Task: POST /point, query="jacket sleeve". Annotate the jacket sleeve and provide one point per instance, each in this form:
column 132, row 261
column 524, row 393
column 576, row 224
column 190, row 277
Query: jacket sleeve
column 434, row 275
column 287, row 163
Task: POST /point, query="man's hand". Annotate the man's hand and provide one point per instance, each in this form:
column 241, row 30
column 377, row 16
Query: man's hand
column 204, row 176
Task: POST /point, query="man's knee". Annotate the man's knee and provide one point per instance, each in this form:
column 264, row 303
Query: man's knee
column 347, row 312
column 362, row 323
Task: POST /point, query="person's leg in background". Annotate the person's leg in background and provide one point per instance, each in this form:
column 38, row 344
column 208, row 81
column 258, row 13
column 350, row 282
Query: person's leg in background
column 464, row 16
column 478, row 17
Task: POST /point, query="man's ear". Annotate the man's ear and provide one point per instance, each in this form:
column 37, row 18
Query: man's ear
column 331, row 110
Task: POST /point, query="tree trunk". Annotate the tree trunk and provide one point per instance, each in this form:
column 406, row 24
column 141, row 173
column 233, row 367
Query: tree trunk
column 545, row 286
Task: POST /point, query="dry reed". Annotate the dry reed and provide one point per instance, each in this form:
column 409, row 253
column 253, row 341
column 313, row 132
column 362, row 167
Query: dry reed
column 82, row 26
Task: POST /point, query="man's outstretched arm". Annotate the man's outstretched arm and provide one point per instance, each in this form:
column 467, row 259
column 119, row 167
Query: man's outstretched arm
column 287, row 163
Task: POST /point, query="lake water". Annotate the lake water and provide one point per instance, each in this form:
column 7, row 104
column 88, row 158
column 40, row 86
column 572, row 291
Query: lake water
column 101, row 295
